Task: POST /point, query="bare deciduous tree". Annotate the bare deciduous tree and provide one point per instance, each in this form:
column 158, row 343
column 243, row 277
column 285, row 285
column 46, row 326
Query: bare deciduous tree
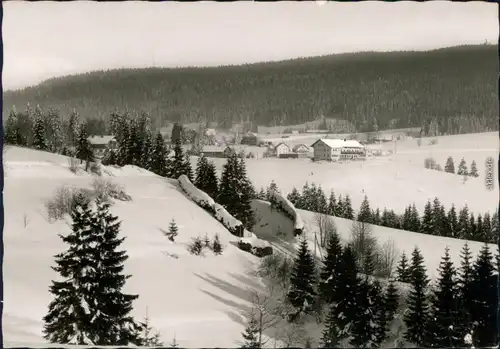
column 363, row 242
column 386, row 259
column 291, row 335
column 326, row 227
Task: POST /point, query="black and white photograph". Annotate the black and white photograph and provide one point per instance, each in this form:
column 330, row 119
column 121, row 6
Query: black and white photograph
column 311, row 174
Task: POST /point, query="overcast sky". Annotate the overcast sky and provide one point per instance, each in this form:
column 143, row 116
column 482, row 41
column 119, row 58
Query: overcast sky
column 46, row 39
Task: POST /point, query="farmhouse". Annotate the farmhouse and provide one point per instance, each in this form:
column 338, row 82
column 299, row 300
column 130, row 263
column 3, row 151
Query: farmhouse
column 301, row 150
column 281, row 149
column 338, row 149
column 99, row 144
column 212, row 151
column 250, row 139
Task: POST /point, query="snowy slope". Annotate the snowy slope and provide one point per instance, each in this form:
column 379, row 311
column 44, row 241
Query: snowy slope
column 432, row 247
column 183, row 293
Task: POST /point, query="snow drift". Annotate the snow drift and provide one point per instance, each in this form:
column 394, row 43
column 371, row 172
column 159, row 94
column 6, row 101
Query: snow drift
column 284, row 205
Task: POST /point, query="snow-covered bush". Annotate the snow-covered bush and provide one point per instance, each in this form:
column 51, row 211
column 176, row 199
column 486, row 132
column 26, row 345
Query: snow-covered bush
column 200, row 197
column 284, row 205
column 258, row 251
column 105, row 189
column 196, row 246
column 64, row 200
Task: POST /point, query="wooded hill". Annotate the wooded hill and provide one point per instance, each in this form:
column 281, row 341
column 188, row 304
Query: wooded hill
column 398, row 89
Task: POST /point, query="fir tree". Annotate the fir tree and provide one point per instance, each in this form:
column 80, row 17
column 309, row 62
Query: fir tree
column 473, row 169
column 73, row 127
column 251, row 334
column 495, row 231
column 450, row 166
column 348, row 212
column 385, row 219
column 464, row 287
column 179, row 161
column 368, row 305
column 437, row 218
column 158, row 156
column 389, row 301
column 273, row 187
column 416, row 318
column 403, row 269
column 12, row 131
column 293, row 196
column 331, row 334
column 149, row 337
column 414, row 219
column 463, row 224
column 485, row 300
column 365, row 213
column 479, row 230
column 487, row 229
column 262, row 194
column 322, row 202
column 216, row 245
column 206, row 177
column 173, row 230
column 87, row 310
column 39, row 140
column 427, row 220
column 147, row 151
column 445, row 311
column 332, row 204
column 452, row 221
column 471, row 234
column 345, row 300
column 187, row 169
column 462, row 168
column 83, row 150
column 340, row 208
column 330, row 268
column 301, row 294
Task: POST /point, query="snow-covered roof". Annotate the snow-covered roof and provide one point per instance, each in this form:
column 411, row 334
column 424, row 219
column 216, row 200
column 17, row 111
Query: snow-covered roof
column 213, row 149
column 280, row 143
column 298, row 146
column 339, row 143
column 100, row 139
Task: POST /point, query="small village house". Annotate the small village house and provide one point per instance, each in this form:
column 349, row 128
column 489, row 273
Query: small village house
column 213, row 151
column 99, row 144
column 250, row 139
column 301, row 150
column 338, row 149
column 282, row 148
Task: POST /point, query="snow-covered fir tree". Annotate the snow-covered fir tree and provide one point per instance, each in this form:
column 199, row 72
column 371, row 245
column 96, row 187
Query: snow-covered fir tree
column 206, row 177
column 293, row 196
column 148, row 337
column 216, row 245
column 332, row 204
column 83, row 150
column 331, row 334
column 365, row 213
column 147, row 151
column 463, row 227
column 73, row 128
column 417, row 315
column 484, row 299
column 12, row 131
column 86, row 310
column 39, row 136
column 345, row 299
column 340, row 207
column 464, row 289
column 369, row 299
column 443, row 329
column 403, row 270
column 427, row 226
column 473, row 169
column 173, row 230
column 450, row 166
column 452, row 221
column 414, row 219
column 486, row 235
column 53, row 131
column 251, row 334
column 302, row 292
column 159, row 156
column 273, row 187
column 329, row 269
column 348, row 211
column 385, row 313
column 462, row 168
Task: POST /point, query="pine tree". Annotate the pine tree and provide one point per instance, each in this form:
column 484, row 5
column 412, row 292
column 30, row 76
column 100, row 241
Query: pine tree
column 485, row 300
column 416, row 318
column 414, row 219
column 340, row 208
column 437, row 218
column 251, row 334
column 179, row 161
column 365, row 213
column 487, row 229
column 149, row 337
column 12, row 132
column 206, row 177
column 385, row 219
column 465, row 295
column 330, row 336
column 216, row 245
column 87, row 310
column 330, row 268
column 332, row 204
column 39, row 140
column 321, row 202
column 473, row 169
column 495, row 231
column 293, row 196
column 348, row 212
column 301, row 294
column 376, row 219
column 73, row 127
column 187, row 169
column 83, row 150
column 463, row 224
column 345, row 300
column 452, row 221
column 450, row 166
column 158, row 156
column 445, row 310
column 406, row 219
column 363, row 331
column 427, row 220
column 471, row 234
column 147, row 151
column 403, row 269
column 385, row 311
column 262, row 194
column 173, row 230
column 479, row 230
column 462, row 168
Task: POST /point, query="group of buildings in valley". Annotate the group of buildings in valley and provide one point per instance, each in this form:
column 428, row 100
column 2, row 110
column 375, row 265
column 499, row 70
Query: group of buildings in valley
column 324, row 149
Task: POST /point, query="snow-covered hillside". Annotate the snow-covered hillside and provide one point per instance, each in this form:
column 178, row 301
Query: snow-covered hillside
column 194, row 298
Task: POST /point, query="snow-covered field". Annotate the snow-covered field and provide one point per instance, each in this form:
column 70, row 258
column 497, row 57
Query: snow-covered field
column 198, row 299
column 391, row 181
